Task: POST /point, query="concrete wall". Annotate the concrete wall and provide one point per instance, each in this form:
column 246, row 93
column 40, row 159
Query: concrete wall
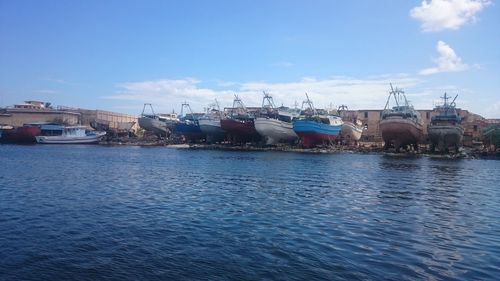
column 112, row 118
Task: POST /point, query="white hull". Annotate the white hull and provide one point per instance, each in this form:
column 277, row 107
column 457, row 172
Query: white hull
column 93, row 138
column 351, row 131
column 275, row 131
column 153, row 125
column 157, row 126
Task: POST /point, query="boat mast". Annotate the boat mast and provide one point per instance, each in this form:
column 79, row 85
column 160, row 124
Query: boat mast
column 238, row 104
column 398, row 95
column 270, row 103
column 185, row 104
column 343, row 110
column 217, row 105
column 310, row 104
column 389, row 97
column 150, row 106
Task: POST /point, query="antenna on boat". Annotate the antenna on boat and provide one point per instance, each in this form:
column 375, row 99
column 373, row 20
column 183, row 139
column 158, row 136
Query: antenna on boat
column 445, row 99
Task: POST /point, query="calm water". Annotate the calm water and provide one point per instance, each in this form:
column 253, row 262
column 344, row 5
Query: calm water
column 129, row 213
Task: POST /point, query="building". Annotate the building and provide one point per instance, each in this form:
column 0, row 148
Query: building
column 35, row 112
column 42, row 112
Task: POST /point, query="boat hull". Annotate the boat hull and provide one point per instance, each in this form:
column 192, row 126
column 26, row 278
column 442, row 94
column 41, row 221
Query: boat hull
column 444, row 136
column 20, row 135
column 158, row 127
column 240, row 130
column 212, row 129
column 88, row 139
column 191, row 132
column 351, row 132
column 275, row 131
column 399, row 132
column 312, row 133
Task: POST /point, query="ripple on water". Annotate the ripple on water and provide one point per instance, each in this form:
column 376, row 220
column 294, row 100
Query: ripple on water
column 90, row 212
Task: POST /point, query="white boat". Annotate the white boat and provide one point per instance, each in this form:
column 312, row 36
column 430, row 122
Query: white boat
column 351, row 131
column 275, row 124
column 72, row 135
column 160, row 124
column 352, row 128
column 275, row 130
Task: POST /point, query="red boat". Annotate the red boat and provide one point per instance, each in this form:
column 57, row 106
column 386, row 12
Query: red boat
column 240, row 126
column 24, row 134
column 240, row 130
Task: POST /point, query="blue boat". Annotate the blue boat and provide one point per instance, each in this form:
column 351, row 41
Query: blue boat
column 188, row 126
column 315, row 127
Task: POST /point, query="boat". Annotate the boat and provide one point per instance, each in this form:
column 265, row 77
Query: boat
column 445, row 129
column 239, row 125
column 72, row 135
column 28, row 132
column 275, row 124
column 315, row 127
column 161, row 125
column 20, row 135
column 210, row 123
column 400, row 125
column 188, row 126
column 352, row 129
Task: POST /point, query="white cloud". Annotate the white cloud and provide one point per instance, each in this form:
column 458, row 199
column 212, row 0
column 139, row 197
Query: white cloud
column 438, row 15
column 448, row 61
column 356, row 93
column 166, row 95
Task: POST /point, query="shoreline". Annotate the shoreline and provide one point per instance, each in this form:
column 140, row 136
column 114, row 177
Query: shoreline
column 465, row 153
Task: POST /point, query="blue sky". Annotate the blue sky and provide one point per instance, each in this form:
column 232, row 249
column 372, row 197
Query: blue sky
column 117, row 55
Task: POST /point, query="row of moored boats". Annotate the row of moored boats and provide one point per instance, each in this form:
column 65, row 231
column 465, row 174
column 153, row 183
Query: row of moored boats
column 269, row 124
column 401, row 126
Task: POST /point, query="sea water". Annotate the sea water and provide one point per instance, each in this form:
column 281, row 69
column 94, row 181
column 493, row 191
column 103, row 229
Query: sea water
column 131, row 213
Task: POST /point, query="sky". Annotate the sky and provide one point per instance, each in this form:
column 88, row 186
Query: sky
column 119, row 54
